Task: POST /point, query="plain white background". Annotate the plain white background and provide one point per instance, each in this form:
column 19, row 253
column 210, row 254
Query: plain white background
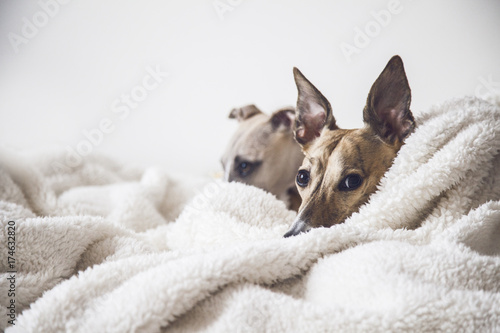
column 62, row 78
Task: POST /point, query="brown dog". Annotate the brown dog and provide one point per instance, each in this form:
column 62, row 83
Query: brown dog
column 342, row 168
column 263, row 152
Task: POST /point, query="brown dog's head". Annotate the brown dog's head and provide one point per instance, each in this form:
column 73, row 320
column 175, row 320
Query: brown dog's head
column 263, row 152
column 342, row 168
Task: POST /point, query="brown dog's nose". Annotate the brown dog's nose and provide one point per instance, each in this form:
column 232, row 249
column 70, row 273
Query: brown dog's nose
column 298, row 227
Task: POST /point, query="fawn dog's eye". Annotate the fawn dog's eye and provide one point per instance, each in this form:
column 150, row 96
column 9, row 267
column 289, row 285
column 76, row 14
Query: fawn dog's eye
column 245, row 168
column 303, row 178
column 350, row 182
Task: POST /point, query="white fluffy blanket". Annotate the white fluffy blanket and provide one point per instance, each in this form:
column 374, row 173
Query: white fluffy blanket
column 102, row 248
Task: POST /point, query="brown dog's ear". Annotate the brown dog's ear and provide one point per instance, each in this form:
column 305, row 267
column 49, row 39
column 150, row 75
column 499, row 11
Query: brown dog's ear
column 283, row 118
column 387, row 109
column 244, row 112
column 313, row 111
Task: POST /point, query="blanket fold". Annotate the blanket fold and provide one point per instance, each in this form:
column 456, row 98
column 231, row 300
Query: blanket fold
column 104, row 248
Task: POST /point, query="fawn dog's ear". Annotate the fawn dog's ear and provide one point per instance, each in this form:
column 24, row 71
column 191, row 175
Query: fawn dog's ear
column 313, row 111
column 283, row 119
column 387, row 109
column 244, row 112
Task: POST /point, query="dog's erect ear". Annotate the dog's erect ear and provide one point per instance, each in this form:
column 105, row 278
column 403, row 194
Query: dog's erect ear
column 387, row 109
column 313, row 111
column 244, row 112
column 283, row 118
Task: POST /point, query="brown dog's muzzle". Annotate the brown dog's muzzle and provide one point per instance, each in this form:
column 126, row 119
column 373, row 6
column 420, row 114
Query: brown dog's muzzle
column 298, row 227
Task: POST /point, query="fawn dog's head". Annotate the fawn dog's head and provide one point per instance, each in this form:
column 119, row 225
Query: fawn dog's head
column 342, row 168
column 263, row 152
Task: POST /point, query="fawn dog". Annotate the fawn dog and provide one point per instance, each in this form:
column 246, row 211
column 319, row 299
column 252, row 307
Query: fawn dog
column 342, row 168
column 263, row 152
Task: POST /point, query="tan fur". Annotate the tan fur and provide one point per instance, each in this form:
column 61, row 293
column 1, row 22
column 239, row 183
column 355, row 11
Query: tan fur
column 334, row 156
column 270, row 147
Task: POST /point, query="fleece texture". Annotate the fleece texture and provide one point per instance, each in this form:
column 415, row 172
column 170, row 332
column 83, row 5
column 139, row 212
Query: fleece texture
column 105, row 248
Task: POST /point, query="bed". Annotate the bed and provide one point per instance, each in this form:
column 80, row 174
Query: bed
column 103, row 247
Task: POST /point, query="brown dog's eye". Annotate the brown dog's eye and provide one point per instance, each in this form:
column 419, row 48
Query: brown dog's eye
column 350, row 182
column 303, row 178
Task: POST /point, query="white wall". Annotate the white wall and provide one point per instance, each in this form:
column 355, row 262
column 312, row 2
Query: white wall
column 63, row 79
